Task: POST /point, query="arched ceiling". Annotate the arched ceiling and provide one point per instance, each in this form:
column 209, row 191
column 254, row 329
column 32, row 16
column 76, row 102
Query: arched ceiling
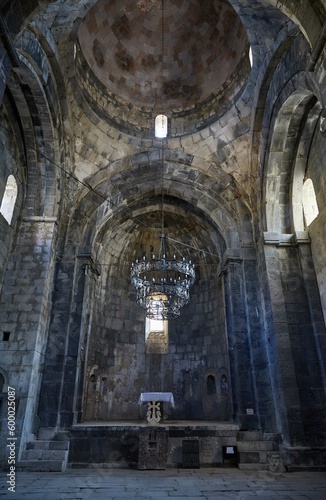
column 122, row 76
column 188, row 234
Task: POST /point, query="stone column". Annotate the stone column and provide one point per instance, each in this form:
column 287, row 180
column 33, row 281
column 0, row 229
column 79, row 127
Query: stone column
column 283, row 280
column 24, row 316
column 61, row 375
column 258, row 341
column 241, row 367
column 314, row 302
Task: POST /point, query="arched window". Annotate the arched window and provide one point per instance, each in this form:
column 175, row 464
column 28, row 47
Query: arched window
column 9, row 199
column 309, row 202
column 161, row 126
column 211, row 386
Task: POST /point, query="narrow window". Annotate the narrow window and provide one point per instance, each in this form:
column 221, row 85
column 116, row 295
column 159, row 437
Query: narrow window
column 250, row 57
column 9, row 199
column 211, row 386
column 5, row 336
column 309, row 202
column 156, row 336
column 161, row 126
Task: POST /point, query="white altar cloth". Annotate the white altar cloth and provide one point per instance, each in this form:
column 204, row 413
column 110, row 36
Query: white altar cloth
column 146, row 397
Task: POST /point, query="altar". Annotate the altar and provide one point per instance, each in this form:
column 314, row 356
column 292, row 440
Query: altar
column 154, row 401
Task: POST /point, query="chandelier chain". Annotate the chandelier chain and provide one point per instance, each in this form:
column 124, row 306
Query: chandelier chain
column 162, row 285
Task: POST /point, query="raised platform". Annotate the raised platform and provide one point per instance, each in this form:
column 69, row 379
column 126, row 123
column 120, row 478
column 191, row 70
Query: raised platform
column 165, row 423
column 116, row 443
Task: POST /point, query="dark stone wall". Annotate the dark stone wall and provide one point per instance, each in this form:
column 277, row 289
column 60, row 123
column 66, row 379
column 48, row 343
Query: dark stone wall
column 311, row 410
column 119, row 369
column 9, row 165
column 317, row 172
column 57, row 404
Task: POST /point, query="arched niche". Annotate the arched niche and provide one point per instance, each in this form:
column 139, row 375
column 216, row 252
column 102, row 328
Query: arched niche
column 294, row 274
column 117, row 219
column 117, row 333
column 287, row 162
column 307, row 16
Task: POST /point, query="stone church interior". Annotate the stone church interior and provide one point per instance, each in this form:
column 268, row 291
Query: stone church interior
column 163, row 228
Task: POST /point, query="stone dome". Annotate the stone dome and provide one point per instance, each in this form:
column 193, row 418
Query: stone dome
column 179, row 57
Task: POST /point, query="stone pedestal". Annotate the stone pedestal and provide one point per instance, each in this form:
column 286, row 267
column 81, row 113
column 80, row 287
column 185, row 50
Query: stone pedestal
column 152, row 448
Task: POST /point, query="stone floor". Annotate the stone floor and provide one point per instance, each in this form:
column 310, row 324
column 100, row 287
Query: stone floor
column 172, row 484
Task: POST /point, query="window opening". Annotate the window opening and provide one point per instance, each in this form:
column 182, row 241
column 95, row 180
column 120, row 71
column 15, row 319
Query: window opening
column 250, row 56
column 156, row 336
column 309, row 202
column 5, row 336
column 161, row 126
column 211, row 385
column 9, row 199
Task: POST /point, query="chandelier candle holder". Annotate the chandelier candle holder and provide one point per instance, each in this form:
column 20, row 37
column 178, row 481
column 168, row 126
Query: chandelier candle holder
column 162, row 284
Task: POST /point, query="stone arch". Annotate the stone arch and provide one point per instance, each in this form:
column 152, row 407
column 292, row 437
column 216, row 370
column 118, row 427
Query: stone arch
column 199, row 192
column 39, row 112
column 32, row 102
column 298, row 199
column 202, row 185
column 291, row 272
column 303, row 13
column 292, row 132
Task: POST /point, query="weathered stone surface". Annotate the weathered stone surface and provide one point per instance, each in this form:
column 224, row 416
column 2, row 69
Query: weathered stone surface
column 80, row 86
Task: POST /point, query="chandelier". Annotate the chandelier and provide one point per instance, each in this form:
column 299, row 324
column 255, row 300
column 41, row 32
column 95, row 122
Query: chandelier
column 162, row 284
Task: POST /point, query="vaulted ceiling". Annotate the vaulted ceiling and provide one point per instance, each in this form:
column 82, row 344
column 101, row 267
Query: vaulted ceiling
column 106, row 68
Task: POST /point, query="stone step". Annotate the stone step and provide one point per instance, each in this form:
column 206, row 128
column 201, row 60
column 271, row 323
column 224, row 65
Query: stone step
column 306, row 468
column 40, row 466
column 251, row 467
column 61, row 436
column 45, row 455
column 250, row 435
column 47, row 445
column 48, row 453
column 58, row 445
column 46, row 433
column 37, row 445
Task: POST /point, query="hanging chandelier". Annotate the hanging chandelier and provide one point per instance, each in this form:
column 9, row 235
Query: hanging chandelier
column 162, row 284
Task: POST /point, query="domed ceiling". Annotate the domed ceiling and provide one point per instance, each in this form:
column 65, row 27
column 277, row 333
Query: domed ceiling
column 179, row 57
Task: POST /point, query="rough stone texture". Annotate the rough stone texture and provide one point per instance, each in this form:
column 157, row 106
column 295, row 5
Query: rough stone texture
column 250, row 348
column 152, row 449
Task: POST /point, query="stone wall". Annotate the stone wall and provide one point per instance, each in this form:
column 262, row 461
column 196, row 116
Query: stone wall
column 119, row 369
column 317, row 172
column 24, row 307
column 9, row 165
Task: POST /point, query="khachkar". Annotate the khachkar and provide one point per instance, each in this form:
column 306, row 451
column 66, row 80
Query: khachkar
column 154, row 414
column 154, row 402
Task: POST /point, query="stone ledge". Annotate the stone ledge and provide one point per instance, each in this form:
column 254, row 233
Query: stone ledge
column 39, row 466
column 282, row 239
